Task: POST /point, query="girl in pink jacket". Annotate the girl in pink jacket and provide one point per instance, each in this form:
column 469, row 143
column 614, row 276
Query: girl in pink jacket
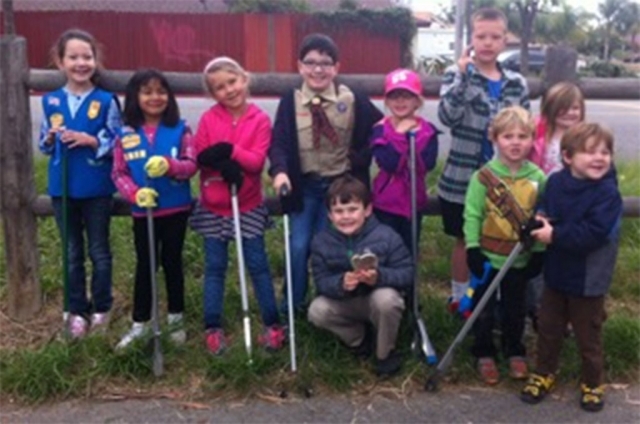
column 231, row 146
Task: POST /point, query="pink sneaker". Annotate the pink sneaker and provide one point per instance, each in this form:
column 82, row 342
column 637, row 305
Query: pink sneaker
column 215, row 341
column 100, row 322
column 272, row 338
column 78, row 326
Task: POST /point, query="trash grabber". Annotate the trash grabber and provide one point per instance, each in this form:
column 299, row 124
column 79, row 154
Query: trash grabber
column 432, row 382
column 284, row 191
column 65, row 233
column 420, row 337
column 243, row 280
column 158, row 362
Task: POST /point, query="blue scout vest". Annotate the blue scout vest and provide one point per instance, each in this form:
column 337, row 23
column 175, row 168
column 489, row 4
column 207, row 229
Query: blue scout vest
column 87, row 176
column 137, row 150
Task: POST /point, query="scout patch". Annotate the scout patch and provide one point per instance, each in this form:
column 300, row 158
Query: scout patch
column 342, row 107
column 94, row 109
column 54, row 101
column 130, row 141
column 137, row 154
column 56, row 120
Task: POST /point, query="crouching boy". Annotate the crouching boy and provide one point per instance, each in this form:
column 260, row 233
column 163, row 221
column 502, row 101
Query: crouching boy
column 581, row 214
column 361, row 269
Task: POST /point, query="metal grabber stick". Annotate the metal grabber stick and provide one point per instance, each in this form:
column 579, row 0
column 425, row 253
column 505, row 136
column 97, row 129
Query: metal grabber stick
column 65, row 234
column 158, row 362
column 420, row 337
column 243, row 280
column 284, row 191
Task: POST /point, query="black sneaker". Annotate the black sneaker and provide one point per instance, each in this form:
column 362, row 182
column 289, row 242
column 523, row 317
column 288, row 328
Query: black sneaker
column 365, row 349
column 390, row 365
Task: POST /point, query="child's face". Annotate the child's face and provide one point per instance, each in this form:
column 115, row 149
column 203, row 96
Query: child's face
column 591, row 164
column 229, row 89
column 78, row 63
column 568, row 118
column 318, row 70
column 153, row 99
column 513, row 144
column 402, row 103
column 348, row 218
column 488, row 40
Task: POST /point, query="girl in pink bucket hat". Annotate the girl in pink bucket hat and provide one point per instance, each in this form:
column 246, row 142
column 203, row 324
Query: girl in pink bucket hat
column 390, row 146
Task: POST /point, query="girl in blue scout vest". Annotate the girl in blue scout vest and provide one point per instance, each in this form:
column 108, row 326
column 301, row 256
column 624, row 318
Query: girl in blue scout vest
column 81, row 121
column 153, row 161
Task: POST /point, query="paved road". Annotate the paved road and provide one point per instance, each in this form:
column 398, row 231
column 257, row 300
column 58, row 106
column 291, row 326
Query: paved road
column 480, row 405
column 622, row 116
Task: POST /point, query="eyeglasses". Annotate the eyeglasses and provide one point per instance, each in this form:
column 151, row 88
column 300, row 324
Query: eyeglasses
column 312, row 64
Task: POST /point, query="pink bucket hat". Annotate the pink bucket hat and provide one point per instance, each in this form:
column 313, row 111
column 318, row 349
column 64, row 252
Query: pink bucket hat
column 403, row 79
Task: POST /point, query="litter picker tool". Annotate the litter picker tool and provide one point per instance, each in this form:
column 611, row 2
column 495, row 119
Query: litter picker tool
column 64, row 150
column 246, row 322
column 284, row 191
column 158, row 361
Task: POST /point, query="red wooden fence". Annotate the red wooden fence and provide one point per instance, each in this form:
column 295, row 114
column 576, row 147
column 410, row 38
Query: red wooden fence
column 185, row 42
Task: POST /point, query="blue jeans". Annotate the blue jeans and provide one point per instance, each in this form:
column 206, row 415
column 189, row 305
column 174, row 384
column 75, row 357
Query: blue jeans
column 304, row 225
column 255, row 258
column 92, row 215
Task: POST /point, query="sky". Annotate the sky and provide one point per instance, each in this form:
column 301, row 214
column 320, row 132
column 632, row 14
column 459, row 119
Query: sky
column 436, row 5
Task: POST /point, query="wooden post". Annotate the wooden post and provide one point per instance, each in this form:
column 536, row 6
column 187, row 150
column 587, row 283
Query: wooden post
column 17, row 181
column 560, row 65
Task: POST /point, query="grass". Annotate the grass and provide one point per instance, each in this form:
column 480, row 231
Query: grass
column 35, row 366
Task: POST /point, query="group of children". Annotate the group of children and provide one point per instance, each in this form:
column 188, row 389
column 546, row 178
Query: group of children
column 320, row 149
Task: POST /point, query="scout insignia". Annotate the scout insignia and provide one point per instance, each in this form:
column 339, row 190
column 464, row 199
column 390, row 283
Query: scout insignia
column 94, row 109
column 54, row 101
column 56, row 120
column 136, row 154
column 342, row 107
column 130, row 141
column 316, row 101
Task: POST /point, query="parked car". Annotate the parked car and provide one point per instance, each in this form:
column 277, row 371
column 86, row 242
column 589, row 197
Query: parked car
column 511, row 60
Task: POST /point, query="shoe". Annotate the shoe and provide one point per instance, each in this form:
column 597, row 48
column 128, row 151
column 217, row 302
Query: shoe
column 137, row 331
column 365, row 349
column 452, row 305
column 177, row 334
column 273, row 338
column 488, row 370
column 518, row 368
column 592, row 398
column 100, row 322
column 78, row 326
column 215, row 341
column 537, row 388
column 390, row 365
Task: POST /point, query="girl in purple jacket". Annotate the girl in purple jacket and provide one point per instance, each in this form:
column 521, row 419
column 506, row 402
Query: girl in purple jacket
column 390, row 146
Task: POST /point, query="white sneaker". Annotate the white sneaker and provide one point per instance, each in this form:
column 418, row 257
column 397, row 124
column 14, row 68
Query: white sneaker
column 176, row 327
column 137, row 331
column 100, row 322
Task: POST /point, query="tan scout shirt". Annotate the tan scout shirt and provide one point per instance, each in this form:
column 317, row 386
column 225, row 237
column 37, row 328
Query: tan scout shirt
column 328, row 159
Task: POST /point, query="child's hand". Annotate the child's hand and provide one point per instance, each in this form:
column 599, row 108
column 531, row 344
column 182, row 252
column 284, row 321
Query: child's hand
column 545, row 233
column 51, row 135
column 350, row 281
column 465, row 59
column 368, row 276
column 279, row 180
column 406, row 125
column 76, row 139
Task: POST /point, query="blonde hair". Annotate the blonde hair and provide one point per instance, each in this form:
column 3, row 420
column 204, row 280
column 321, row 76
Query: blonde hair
column 222, row 63
column 557, row 100
column 509, row 117
column 577, row 138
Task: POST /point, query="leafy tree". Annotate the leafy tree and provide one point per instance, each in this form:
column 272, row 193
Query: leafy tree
column 628, row 22
column 611, row 12
column 267, row 6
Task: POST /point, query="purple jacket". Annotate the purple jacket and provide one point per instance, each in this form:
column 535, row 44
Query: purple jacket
column 392, row 185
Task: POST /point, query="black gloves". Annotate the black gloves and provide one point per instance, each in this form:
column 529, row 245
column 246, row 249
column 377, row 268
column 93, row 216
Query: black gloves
column 475, row 261
column 534, row 266
column 231, row 172
column 286, row 200
column 213, row 156
column 525, row 231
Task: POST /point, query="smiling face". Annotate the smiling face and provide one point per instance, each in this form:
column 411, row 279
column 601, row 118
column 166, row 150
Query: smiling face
column 592, row 163
column 488, row 40
column 569, row 117
column 513, row 145
column 318, row 70
column 402, row 103
column 230, row 89
column 348, row 218
column 78, row 62
column 153, row 99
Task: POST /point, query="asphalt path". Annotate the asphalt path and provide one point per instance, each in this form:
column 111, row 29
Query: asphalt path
column 621, row 116
column 466, row 405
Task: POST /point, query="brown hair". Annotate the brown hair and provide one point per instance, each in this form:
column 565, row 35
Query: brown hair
column 583, row 137
column 507, row 118
column 557, row 100
column 346, row 189
column 58, row 49
column 488, row 14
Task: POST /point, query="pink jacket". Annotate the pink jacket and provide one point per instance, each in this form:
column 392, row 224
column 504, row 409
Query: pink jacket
column 539, row 145
column 250, row 135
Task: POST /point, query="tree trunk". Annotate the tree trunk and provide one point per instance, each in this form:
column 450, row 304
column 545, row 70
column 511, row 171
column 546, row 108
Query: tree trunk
column 17, row 181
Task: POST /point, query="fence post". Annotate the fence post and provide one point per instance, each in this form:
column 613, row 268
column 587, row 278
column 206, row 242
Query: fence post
column 17, row 181
column 560, row 65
